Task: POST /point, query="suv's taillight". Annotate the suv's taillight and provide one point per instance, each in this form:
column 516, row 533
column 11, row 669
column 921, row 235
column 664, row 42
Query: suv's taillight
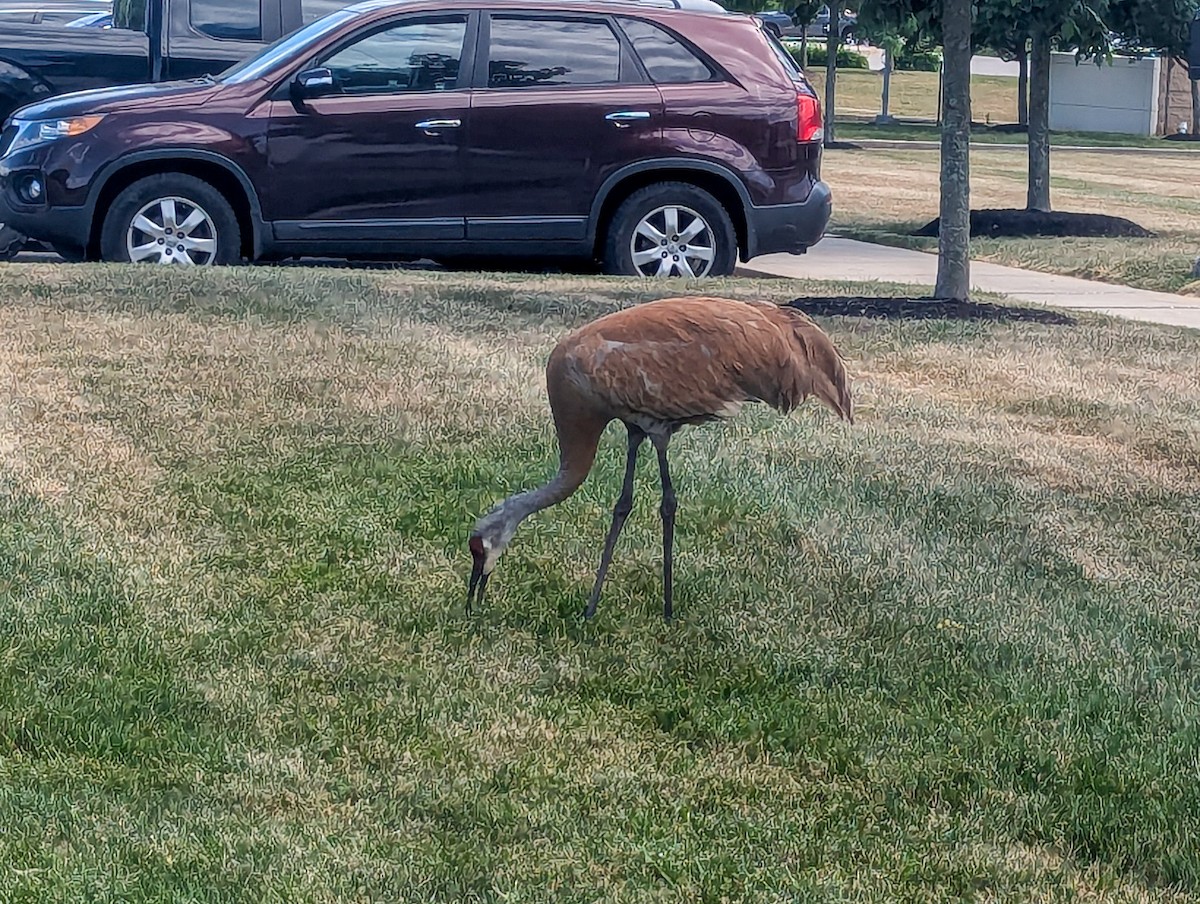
column 810, row 126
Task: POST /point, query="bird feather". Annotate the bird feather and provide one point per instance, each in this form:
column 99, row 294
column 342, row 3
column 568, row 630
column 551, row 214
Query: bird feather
column 686, row 360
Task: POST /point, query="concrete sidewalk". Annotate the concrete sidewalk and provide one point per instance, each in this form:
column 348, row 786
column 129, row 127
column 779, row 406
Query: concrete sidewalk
column 916, row 144
column 844, row 259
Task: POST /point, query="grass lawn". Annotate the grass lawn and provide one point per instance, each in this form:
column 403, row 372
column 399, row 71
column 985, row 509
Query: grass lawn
column 951, row 653
column 855, row 131
column 882, row 195
column 915, row 94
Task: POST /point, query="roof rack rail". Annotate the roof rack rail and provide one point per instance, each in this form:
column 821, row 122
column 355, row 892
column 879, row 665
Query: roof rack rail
column 707, row 6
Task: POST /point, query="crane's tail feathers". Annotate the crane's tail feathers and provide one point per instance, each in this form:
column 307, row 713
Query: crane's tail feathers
column 840, row 400
column 830, row 381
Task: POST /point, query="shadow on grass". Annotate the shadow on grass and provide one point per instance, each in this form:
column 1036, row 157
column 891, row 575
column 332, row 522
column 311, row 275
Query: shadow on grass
column 897, row 308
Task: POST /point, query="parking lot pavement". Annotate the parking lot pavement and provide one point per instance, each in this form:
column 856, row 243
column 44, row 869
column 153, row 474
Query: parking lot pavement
column 980, row 65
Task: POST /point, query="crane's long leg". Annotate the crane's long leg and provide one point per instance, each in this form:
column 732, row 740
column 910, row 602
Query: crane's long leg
column 620, row 514
column 668, row 519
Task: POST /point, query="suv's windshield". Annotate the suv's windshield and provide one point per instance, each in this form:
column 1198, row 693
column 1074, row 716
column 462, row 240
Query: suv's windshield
column 263, row 61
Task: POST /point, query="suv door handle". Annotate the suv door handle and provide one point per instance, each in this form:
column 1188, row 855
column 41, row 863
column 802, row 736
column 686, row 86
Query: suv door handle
column 627, row 115
column 431, row 125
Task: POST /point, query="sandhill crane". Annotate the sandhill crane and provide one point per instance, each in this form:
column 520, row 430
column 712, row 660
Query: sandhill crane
column 657, row 367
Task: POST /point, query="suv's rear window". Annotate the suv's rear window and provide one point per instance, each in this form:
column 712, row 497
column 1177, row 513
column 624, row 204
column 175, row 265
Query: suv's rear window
column 539, row 53
column 789, row 62
column 232, row 20
column 665, row 57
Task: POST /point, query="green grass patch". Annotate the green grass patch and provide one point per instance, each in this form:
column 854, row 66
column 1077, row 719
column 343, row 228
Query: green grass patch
column 948, row 654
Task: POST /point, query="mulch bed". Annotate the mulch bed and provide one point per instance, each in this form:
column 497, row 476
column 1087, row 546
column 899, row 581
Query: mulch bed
column 904, row 308
column 1013, row 223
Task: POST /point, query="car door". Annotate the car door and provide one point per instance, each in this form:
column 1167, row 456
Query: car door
column 562, row 106
column 205, row 37
column 379, row 159
column 77, row 59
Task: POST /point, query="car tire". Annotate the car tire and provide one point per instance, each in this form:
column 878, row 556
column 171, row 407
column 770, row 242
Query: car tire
column 647, row 212
column 213, row 238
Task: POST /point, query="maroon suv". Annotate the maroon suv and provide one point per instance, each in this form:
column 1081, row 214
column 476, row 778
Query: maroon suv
column 655, row 139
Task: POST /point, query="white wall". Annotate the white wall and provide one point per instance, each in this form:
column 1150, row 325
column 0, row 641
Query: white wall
column 1122, row 97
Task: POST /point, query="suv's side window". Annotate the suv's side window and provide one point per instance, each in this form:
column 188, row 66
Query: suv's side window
column 666, row 58
column 231, row 20
column 413, row 56
column 539, row 53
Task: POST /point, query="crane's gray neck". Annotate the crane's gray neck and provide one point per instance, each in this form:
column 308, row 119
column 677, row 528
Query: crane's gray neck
column 517, row 508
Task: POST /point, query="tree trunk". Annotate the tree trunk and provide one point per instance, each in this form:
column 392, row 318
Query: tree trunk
column 1195, row 106
column 831, row 47
column 954, row 234
column 1023, row 87
column 885, row 100
column 129, row 15
column 941, row 87
column 1038, row 196
column 804, row 48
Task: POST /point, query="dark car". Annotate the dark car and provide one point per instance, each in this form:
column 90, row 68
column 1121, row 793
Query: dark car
column 48, row 12
column 92, row 20
column 654, row 140
column 777, row 22
column 847, row 20
column 783, row 24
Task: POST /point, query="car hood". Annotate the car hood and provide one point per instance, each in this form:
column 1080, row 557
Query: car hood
column 189, row 93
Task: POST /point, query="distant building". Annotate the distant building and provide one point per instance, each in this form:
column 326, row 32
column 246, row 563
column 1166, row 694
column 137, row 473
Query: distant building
column 1147, row 96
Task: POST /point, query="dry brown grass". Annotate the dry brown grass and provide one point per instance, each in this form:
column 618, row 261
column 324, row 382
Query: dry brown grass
column 915, row 95
column 98, row 398
column 893, row 192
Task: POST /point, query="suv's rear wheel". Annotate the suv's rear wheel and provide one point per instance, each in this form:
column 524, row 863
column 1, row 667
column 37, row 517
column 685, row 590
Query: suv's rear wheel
column 671, row 229
column 171, row 218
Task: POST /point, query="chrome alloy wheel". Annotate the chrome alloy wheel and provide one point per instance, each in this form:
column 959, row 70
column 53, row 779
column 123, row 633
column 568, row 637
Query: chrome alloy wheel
column 172, row 231
column 672, row 241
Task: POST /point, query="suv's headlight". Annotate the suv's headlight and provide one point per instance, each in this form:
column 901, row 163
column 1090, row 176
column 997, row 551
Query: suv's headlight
column 41, row 131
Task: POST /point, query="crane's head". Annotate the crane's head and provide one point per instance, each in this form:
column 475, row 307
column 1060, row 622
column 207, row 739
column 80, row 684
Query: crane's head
column 491, row 536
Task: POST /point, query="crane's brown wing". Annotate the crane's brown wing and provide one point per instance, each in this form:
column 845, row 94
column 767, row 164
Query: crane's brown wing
column 685, row 359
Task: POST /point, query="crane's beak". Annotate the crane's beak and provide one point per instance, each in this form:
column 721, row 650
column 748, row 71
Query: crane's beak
column 478, row 580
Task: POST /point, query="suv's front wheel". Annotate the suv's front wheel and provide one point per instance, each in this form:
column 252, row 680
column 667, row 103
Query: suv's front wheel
column 671, row 229
column 171, row 218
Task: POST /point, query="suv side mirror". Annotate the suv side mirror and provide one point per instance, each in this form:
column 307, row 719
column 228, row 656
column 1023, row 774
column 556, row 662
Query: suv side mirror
column 313, row 83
